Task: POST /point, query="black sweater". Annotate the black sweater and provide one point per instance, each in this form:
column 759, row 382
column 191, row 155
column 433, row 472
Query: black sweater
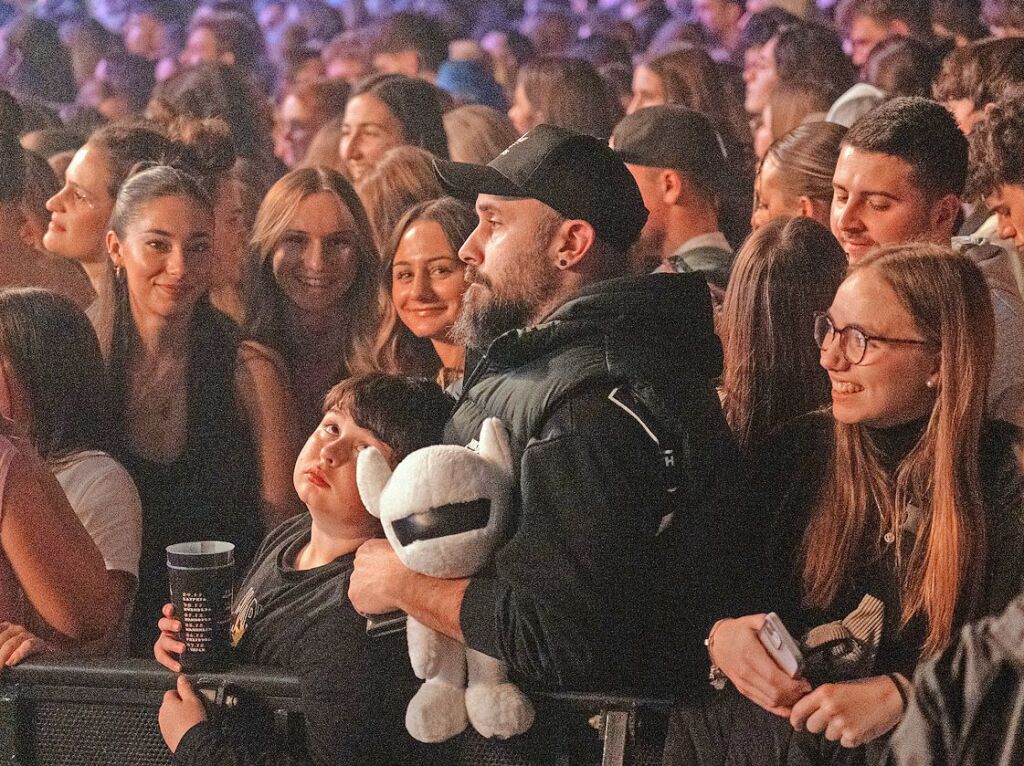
column 354, row 688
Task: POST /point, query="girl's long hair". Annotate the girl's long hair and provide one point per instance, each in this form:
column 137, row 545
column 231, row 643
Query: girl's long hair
column 860, row 501
column 787, row 270
column 264, row 302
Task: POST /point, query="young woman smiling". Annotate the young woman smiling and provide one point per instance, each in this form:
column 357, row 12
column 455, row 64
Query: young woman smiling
column 206, row 422
column 81, row 210
column 893, row 521
column 424, row 281
column 312, row 294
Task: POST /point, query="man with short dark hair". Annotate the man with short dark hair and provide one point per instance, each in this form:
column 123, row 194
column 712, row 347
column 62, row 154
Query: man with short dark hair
column 866, row 23
column 721, row 19
column 679, row 162
column 901, row 173
column 604, row 384
column 412, row 44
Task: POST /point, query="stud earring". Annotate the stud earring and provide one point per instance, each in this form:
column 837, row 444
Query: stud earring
column 562, row 263
column 929, row 383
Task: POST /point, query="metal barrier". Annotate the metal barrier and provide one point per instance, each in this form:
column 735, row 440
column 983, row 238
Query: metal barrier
column 85, row 713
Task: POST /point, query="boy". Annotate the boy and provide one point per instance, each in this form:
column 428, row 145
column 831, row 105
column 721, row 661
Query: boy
column 292, row 610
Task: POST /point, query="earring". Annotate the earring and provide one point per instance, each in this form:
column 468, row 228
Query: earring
column 117, row 272
column 929, row 383
column 562, row 263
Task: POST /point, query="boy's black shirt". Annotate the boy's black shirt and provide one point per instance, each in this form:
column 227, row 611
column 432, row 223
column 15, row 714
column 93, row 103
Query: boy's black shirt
column 354, row 688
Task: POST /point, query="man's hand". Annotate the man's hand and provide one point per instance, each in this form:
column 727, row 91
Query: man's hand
column 17, row 644
column 377, row 578
column 181, row 710
column 852, row 713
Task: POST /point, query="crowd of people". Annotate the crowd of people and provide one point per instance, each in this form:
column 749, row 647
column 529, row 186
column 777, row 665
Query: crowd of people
column 742, row 281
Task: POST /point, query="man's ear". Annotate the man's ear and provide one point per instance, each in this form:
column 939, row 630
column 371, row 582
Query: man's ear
column 944, row 214
column 806, row 206
column 114, row 249
column 672, row 185
column 573, row 241
column 899, row 28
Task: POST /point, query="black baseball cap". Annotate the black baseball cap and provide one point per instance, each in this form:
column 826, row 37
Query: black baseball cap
column 575, row 174
column 672, row 136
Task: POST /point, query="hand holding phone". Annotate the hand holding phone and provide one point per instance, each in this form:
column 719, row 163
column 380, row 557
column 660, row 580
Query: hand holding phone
column 778, row 642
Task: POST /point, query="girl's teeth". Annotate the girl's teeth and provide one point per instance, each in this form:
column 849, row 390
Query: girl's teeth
column 846, row 388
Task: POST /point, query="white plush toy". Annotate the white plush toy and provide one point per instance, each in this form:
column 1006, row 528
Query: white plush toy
column 444, row 509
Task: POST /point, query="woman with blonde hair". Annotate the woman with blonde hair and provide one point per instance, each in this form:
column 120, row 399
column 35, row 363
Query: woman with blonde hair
column 888, row 522
column 403, row 177
column 784, row 273
column 423, row 286
column 312, row 291
column 478, row 133
column 795, row 177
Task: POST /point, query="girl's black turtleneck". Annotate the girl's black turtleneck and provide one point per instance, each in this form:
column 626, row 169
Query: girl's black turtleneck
column 895, row 442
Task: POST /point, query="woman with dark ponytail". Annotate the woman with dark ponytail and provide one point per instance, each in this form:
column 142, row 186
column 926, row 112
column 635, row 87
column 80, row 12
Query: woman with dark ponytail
column 22, row 265
column 204, row 419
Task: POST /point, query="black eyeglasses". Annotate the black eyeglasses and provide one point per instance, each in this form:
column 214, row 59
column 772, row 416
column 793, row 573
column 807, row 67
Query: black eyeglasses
column 853, row 342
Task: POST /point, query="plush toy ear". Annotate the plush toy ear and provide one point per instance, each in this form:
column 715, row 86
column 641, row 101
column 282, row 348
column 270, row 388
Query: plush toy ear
column 372, row 474
column 494, row 445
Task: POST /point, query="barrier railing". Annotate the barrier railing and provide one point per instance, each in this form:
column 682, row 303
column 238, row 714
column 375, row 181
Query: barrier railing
column 80, row 713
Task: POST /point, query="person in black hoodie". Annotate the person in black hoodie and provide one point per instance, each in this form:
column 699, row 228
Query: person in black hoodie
column 604, row 383
column 888, row 523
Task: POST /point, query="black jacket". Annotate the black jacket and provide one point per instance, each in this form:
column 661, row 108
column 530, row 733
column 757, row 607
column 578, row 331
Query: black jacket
column 968, row 704
column 618, row 434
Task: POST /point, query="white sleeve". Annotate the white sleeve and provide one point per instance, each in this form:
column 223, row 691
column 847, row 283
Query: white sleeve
column 104, row 497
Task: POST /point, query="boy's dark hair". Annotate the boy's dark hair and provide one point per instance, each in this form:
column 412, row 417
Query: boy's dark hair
column 997, row 147
column 921, row 133
column 916, row 14
column 812, row 53
column 959, row 18
column 403, row 412
column 408, row 30
column 764, row 25
column 981, row 71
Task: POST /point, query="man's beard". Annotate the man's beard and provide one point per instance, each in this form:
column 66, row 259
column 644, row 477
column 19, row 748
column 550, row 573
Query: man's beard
column 646, row 255
column 486, row 314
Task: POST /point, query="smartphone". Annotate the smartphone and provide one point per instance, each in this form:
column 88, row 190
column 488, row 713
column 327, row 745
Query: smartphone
column 781, row 646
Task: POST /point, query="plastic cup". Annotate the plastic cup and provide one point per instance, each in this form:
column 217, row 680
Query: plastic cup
column 201, row 576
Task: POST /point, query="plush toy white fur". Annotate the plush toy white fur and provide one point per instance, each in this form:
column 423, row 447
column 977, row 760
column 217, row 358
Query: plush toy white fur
column 444, row 509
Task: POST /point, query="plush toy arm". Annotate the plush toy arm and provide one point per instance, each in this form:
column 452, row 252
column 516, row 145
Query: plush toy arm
column 494, row 446
column 372, row 474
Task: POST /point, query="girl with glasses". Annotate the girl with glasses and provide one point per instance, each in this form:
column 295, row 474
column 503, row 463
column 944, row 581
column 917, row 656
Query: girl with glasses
column 893, row 519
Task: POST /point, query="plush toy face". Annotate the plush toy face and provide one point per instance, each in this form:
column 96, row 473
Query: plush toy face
column 444, row 508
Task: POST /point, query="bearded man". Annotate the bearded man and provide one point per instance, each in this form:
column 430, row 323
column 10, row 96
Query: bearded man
column 618, row 559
